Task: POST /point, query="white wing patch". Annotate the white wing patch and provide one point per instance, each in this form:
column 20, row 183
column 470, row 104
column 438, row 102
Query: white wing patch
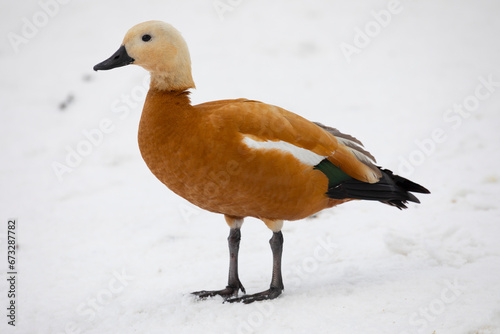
column 305, row 156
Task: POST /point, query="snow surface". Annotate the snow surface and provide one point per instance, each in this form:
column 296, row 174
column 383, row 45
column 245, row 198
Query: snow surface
column 108, row 249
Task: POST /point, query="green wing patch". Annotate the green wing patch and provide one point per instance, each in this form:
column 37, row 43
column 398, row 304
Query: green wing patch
column 334, row 174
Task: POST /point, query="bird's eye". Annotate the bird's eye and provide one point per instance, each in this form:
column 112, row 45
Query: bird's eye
column 146, row 38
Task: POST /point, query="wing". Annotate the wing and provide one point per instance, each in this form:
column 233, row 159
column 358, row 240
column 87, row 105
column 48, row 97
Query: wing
column 264, row 126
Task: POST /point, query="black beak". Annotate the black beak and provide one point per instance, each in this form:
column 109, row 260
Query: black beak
column 118, row 59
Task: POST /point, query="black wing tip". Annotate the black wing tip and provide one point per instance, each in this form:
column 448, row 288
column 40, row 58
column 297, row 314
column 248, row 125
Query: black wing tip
column 422, row 190
column 391, row 189
column 405, row 183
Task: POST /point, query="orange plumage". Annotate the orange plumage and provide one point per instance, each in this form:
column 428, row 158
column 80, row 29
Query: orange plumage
column 197, row 151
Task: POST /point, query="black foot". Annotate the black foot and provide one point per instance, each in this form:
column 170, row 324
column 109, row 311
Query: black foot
column 226, row 293
column 272, row 293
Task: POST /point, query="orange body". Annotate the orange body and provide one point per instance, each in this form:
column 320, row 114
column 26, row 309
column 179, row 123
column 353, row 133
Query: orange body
column 197, row 152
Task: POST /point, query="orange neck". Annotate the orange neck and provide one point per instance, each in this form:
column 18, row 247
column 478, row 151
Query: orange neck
column 162, row 112
column 165, row 120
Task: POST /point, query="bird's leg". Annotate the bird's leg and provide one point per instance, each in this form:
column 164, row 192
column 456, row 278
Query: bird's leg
column 233, row 281
column 234, row 284
column 277, row 286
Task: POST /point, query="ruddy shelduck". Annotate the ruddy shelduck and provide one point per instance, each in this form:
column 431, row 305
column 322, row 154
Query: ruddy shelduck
column 244, row 158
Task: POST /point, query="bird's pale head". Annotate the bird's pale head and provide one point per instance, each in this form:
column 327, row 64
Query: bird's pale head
column 159, row 48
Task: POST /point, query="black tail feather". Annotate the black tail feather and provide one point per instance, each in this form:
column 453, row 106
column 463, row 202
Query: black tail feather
column 391, row 189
